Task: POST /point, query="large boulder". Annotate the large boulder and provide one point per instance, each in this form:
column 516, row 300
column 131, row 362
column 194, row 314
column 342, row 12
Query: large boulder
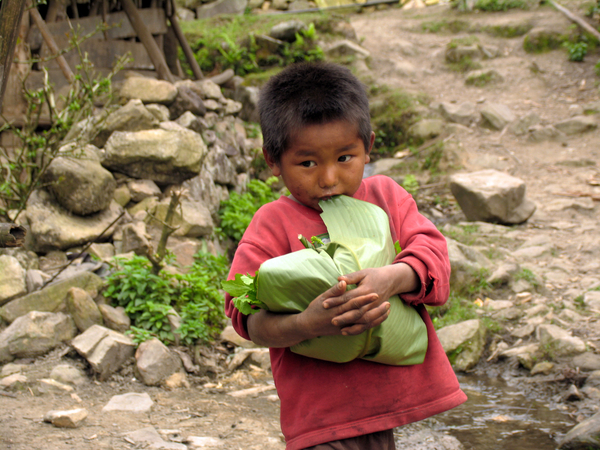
column 52, row 227
column 164, row 156
column 491, row 196
column 79, row 182
column 35, row 334
column 467, row 263
column 202, row 188
column 497, row 115
column 52, row 298
column 463, row 113
column 83, row 309
column 12, row 279
column 577, row 125
column 559, row 342
column 585, row 435
column 221, row 7
column 148, row 90
column 134, row 116
column 192, row 218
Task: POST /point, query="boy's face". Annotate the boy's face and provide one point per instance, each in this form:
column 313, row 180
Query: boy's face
column 322, row 161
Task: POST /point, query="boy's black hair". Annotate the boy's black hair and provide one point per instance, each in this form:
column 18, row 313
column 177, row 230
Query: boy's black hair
column 307, row 94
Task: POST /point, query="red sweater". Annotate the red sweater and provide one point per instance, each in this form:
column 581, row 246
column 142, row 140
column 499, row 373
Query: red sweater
column 323, row 401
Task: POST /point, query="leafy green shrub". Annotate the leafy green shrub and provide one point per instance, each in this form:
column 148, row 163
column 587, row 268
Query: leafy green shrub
column 237, row 212
column 411, row 184
column 577, row 50
column 250, row 54
column 149, row 299
column 500, row 5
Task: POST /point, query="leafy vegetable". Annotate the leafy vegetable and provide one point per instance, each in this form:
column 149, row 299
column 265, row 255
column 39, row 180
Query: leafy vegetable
column 243, row 291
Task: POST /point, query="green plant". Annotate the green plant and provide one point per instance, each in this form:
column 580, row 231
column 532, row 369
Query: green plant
column 527, row 275
column 392, row 113
column 237, row 212
column 457, row 309
column 577, row 50
column 22, row 169
column 500, row 5
column 451, row 26
column 411, row 184
column 150, row 299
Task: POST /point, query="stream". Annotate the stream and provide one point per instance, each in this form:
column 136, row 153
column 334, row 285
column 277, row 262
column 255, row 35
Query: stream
column 498, row 416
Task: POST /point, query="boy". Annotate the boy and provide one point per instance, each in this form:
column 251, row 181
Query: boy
column 317, row 137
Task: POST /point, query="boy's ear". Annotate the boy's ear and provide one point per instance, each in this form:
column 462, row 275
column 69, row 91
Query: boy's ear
column 271, row 163
column 368, row 155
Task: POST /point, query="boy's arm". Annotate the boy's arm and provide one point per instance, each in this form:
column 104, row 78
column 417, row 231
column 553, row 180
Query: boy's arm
column 285, row 330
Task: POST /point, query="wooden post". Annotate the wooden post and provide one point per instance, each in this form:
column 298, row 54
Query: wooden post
column 185, row 46
column 578, row 20
column 62, row 63
column 11, row 12
column 146, row 37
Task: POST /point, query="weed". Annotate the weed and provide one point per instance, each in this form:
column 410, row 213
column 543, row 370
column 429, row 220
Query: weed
column 597, row 68
column 465, row 234
column 527, row 275
column 451, row 26
column 457, row 309
column 542, row 42
column 577, row 50
column 150, row 299
column 392, row 113
column 411, row 184
column 500, row 5
column 483, row 78
column 509, row 31
column 464, row 41
column 237, row 212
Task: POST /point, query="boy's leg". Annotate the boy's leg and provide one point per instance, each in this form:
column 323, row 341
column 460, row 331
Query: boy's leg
column 382, row 440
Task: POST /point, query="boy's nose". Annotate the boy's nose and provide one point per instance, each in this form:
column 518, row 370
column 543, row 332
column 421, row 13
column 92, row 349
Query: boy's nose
column 328, row 178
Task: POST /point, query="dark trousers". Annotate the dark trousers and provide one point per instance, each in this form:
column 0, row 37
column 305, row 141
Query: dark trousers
column 382, row 440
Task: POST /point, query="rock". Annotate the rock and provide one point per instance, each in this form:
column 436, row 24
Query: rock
column 14, row 381
column 207, row 89
column 11, row 369
column 193, row 219
column 146, row 205
column 221, row 7
column 526, row 355
column 122, row 195
column 163, row 156
column 35, row 334
column 426, row 129
column 202, row 188
column 592, row 299
column 497, row 115
column 79, row 182
column 492, row 196
column 503, row 274
column 576, row 125
column 134, row 116
column 587, row 361
column 148, row 90
column 104, row 252
column 385, row 166
column 230, row 335
column 187, row 100
column 12, row 279
column 66, row 419
column 52, row 298
column 52, row 227
column 184, row 249
column 160, row 112
column 194, row 123
column 544, row 367
column 155, row 362
column 176, row 381
column 466, row 263
column 248, row 97
column 262, row 358
column 135, row 239
column 464, row 343
column 83, row 309
column 463, row 113
column 115, row 318
column 64, row 373
column 132, row 402
column 346, row 48
column 541, row 133
column 197, row 442
column 220, row 167
column 232, row 107
column 521, row 126
column 35, row 279
column 558, row 341
column 483, row 77
column 576, row 110
column 105, row 349
column 286, row 31
column 149, row 438
column 456, row 54
column 585, row 435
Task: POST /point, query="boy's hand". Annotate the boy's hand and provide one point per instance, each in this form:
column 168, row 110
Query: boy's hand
column 383, row 282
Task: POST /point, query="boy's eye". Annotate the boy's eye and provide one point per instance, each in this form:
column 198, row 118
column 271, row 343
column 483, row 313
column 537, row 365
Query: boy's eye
column 345, row 158
column 307, row 163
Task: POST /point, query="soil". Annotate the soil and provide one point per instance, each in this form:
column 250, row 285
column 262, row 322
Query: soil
column 403, row 56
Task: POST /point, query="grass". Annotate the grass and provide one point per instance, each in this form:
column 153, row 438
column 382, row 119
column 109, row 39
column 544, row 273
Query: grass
column 445, row 26
column 482, row 79
column 465, row 234
column 527, row 275
column 500, row 5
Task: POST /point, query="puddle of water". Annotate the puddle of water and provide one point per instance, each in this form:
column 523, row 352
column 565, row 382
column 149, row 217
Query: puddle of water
column 499, row 417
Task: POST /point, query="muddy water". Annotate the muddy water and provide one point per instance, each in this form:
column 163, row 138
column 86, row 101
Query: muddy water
column 499, row 417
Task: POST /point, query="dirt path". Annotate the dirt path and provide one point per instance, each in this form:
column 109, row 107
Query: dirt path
column 402, row 56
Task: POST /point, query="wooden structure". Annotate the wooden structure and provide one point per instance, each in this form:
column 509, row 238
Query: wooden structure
column 146, row 29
